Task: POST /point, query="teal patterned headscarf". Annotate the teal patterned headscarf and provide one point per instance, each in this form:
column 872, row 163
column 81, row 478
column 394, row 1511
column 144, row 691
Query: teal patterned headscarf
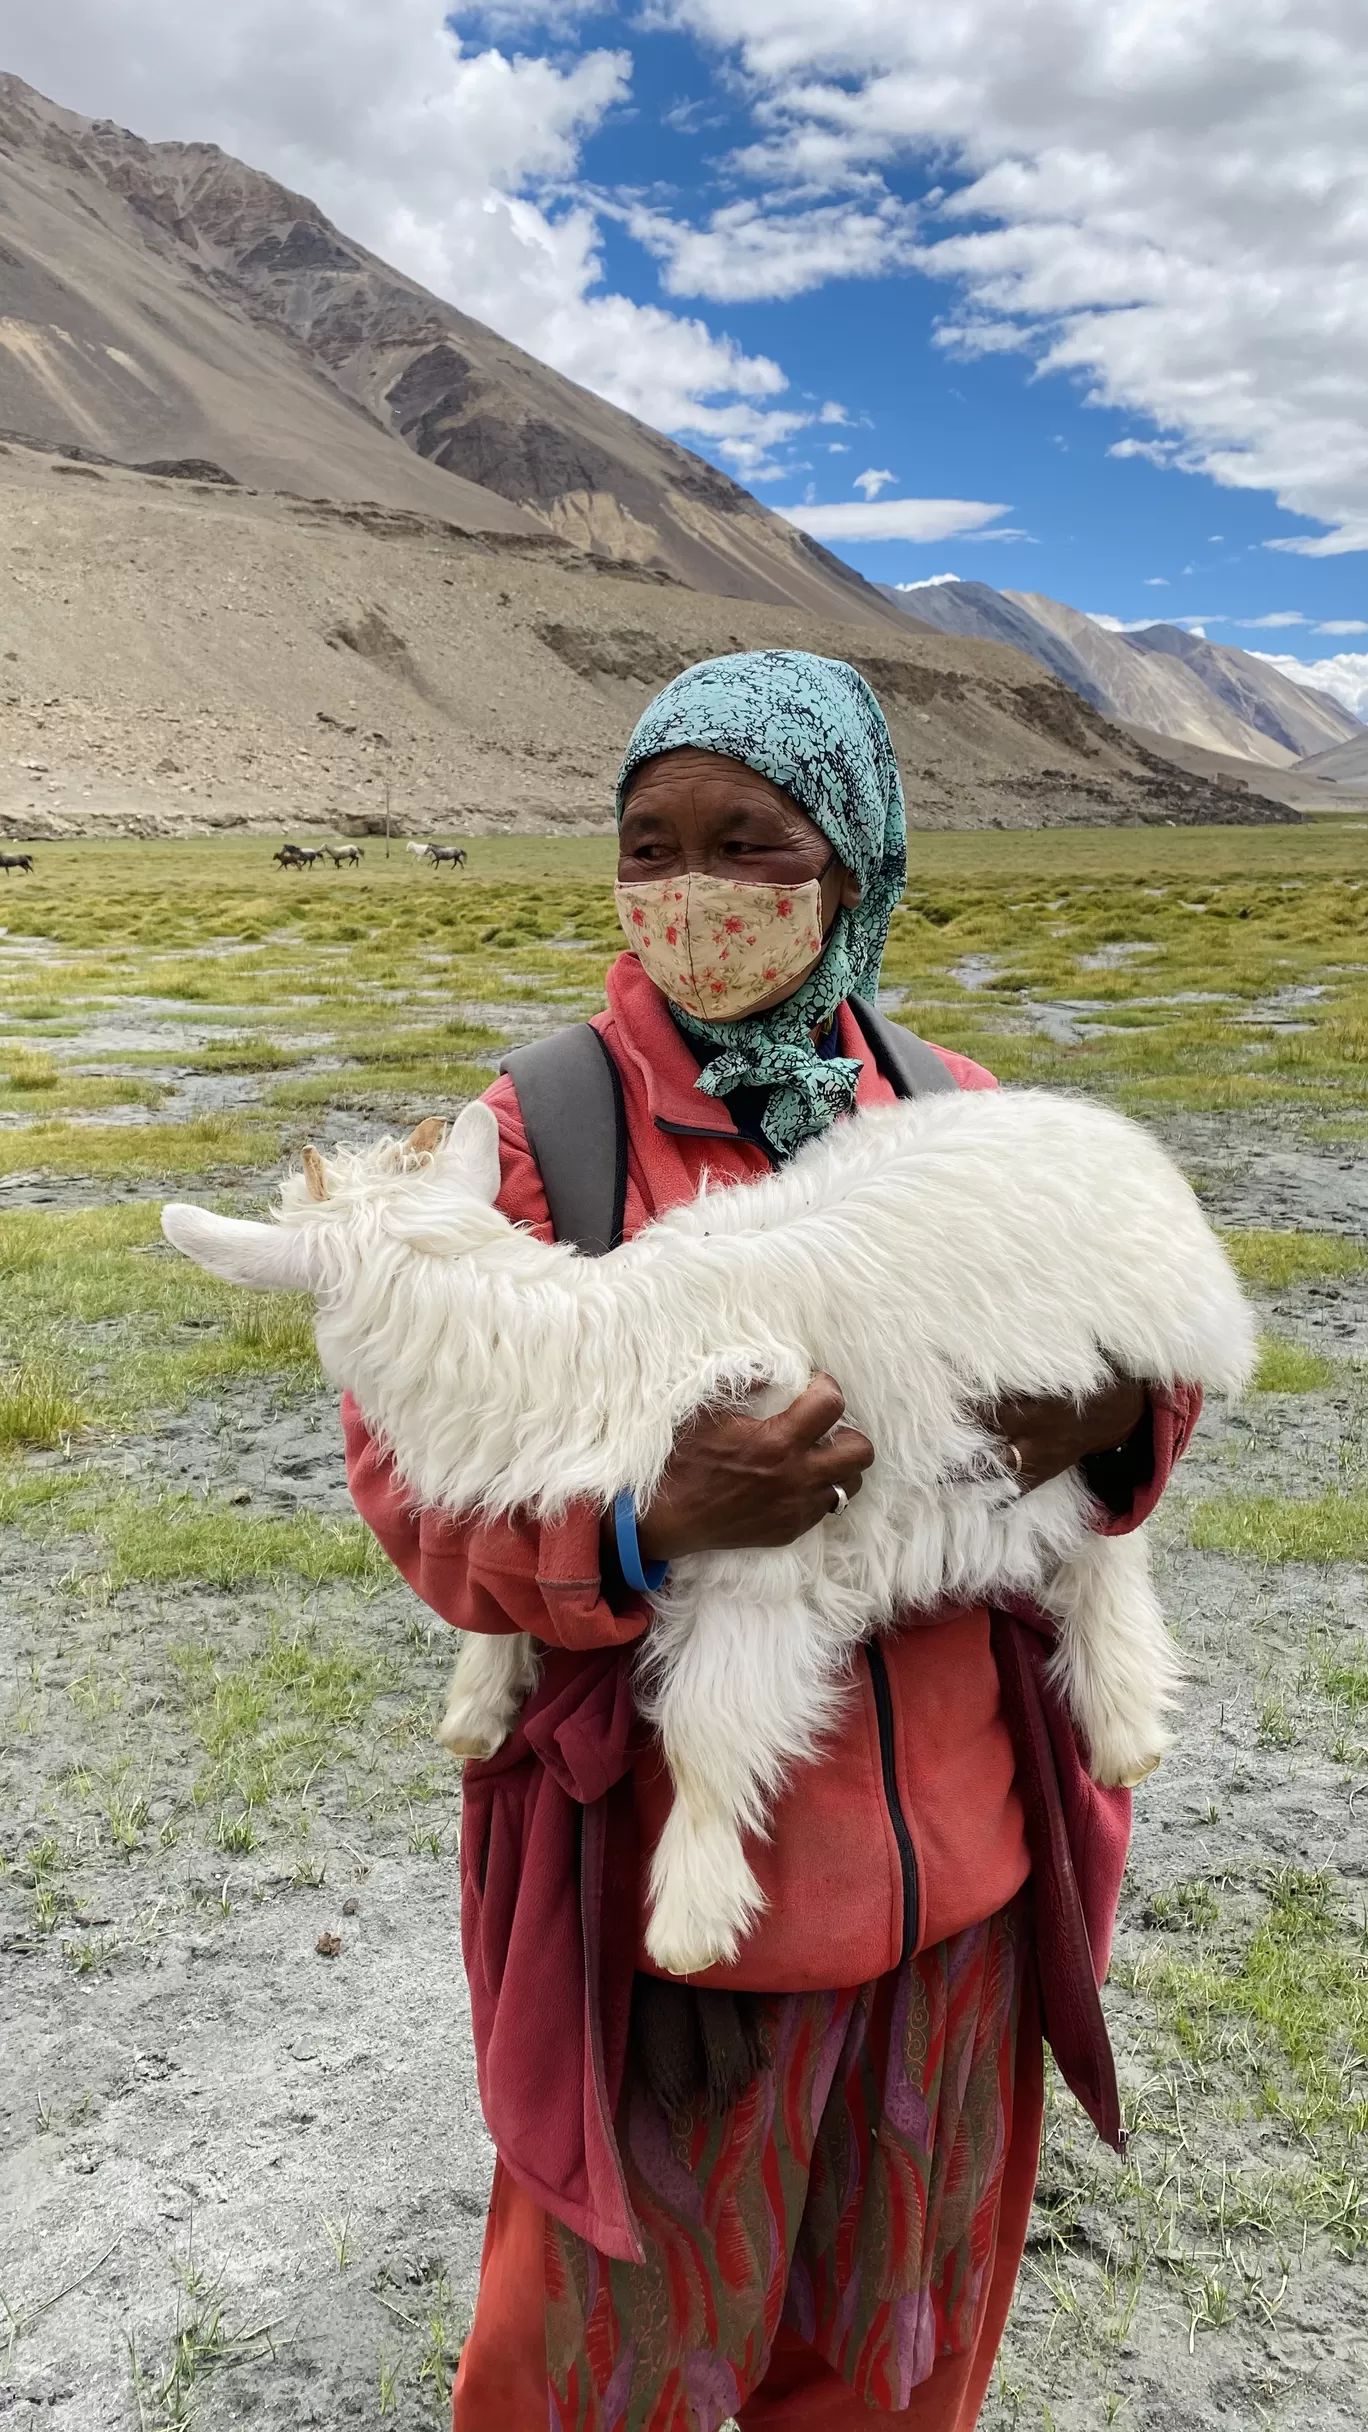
column 814, row 727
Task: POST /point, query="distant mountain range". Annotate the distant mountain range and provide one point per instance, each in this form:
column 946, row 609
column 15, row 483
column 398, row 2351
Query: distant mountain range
column 1162, row 679
column 163, row 303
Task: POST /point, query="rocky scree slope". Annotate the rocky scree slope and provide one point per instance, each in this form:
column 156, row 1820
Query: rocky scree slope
column 164, row 301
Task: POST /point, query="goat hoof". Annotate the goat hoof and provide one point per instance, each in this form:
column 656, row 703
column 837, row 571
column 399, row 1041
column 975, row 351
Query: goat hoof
column 1125, row 1772
column 467, row 1740
column 688, row 1955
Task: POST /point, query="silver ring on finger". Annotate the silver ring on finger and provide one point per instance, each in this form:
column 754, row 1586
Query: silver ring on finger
column 841, row 1503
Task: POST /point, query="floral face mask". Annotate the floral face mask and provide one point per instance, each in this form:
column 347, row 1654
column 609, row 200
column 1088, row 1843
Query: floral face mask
column 719, row 946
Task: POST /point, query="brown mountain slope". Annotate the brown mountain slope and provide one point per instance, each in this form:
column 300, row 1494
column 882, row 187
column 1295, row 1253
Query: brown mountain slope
column 165, row 300
column 116, row 338
column 175, row 656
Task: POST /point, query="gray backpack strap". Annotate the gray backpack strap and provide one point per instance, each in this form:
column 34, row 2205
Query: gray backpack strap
column 570, row 1098
column 914, row 1069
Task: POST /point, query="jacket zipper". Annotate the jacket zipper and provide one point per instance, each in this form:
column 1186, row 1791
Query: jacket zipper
column 907, row 1856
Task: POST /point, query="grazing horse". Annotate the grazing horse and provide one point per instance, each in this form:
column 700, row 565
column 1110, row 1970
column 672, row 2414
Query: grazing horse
column 298, row 856
column 439, row 853
column 16, row 861
column 350, row 853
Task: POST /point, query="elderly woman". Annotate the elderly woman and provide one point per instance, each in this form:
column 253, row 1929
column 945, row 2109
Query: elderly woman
column 795, row 2191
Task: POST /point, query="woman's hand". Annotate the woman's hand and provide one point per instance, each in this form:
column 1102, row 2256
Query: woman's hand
column 1052, row 1436
column 734, row 1481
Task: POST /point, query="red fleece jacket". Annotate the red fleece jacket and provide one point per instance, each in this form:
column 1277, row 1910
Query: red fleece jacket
column 558, row 1830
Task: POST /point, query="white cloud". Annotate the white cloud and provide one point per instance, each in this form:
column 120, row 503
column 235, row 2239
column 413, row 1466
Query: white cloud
column 871, row 482
column 1156, row 582
column 1343, row 624
column 919, row 519
column 1166, row 203
column 929, row 582
column 1279, row 616
column 1346, row 677
column 747, row 251
column 452, row 161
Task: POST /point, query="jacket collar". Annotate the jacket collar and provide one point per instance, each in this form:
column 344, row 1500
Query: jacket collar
column 668, row 1069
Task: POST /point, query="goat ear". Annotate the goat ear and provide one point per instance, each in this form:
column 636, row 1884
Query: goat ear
column 265, row 1257
column 472, row 1148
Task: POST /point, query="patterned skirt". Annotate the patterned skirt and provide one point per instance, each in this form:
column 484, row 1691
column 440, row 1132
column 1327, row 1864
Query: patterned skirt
column 852, row 2194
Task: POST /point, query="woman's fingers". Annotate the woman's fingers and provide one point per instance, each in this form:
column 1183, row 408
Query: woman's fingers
column 843, row 1459
column 1051, row 1435
column 815, row 1412
column 733, row 1480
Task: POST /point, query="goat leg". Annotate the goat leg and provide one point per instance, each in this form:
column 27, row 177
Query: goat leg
column 740, row 1679
column 493, row 1677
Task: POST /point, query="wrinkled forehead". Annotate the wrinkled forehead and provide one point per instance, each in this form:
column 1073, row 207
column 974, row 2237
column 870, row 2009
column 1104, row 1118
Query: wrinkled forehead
column 715, row 785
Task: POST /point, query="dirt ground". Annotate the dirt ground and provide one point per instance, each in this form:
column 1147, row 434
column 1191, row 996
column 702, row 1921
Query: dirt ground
column 242, row 2165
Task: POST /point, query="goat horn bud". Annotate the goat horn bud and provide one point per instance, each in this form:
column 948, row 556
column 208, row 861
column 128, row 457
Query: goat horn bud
column 427, row 1137
column 315, row 1179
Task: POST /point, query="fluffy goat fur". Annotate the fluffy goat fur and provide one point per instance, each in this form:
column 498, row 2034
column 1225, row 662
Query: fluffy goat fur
column 932, row 1256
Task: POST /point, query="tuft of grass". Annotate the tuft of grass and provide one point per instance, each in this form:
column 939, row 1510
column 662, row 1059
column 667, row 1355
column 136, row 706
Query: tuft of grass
column 1282, row 1528
column 1343, row 1677
column 27, row 1068
column 1287, row 1367
column 1276, row 1727
column 1275, row 1261
column 1182, row 1908
column 38, row 1409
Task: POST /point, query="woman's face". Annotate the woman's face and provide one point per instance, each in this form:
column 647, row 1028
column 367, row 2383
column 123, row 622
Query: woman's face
column 692, row 811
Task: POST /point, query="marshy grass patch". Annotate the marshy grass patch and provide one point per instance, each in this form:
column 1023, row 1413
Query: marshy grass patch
column 1289, row 1367
column 146, row 1152
column 183, row 1540
column 1282, row 1528
column 1277, row 1261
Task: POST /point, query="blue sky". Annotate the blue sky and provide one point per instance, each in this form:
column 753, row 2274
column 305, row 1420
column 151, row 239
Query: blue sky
column 1088, row 273
column 1121, row 535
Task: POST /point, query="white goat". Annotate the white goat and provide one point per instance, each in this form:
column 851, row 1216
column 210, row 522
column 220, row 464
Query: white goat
column 932, row 1256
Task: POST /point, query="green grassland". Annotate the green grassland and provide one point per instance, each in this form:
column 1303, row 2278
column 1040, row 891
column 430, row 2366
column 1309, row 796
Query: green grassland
column 183, row 1016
